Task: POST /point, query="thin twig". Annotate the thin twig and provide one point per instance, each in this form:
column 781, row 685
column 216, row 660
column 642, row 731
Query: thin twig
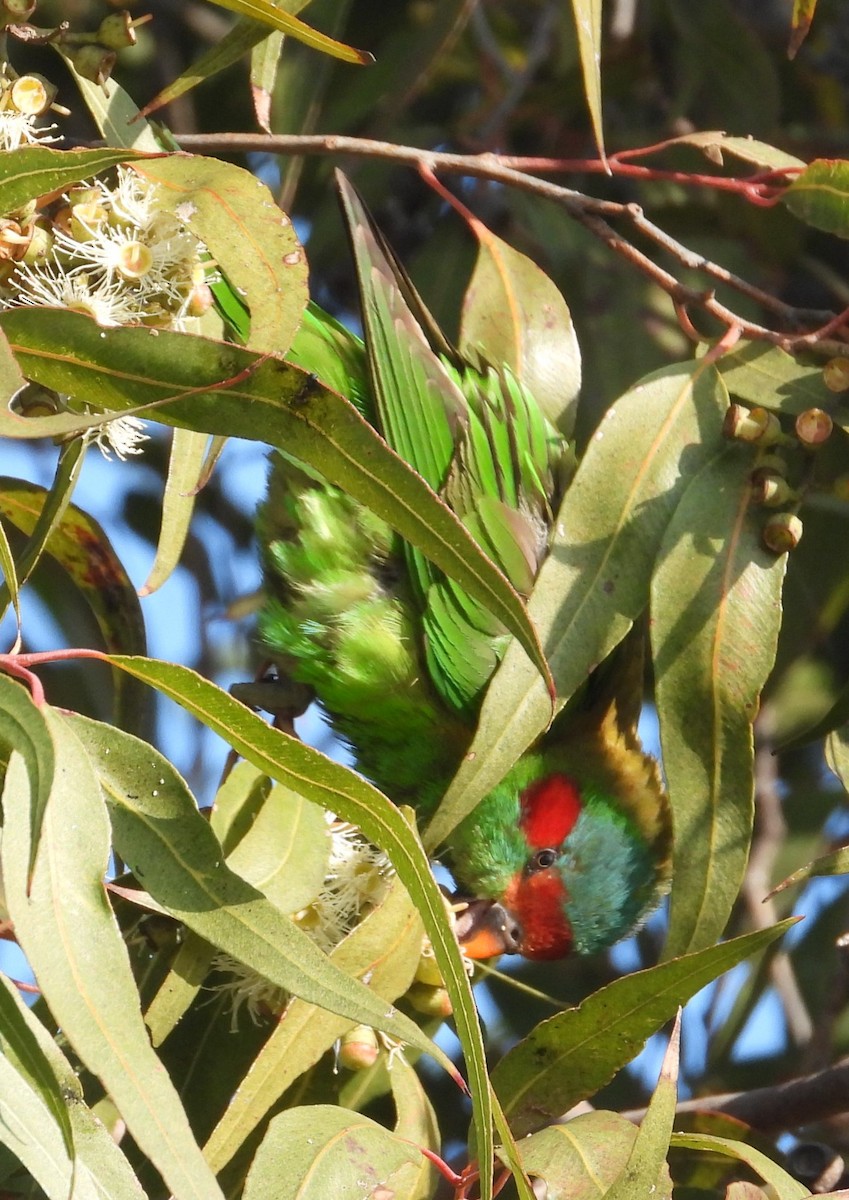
column 594, row 214
column 784, row 1106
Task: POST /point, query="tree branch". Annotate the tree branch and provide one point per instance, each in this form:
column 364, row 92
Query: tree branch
column 808, row 328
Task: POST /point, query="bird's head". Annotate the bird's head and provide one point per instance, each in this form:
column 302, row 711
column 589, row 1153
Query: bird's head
column 557, row 865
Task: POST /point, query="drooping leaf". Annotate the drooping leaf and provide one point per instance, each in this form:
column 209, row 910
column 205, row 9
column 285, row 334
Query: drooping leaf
column 595, row 581
column 785, row 1187
column 272, row 14
column 79, row 545
column 70, row 937
column 587, row 14
column 383, row 949
column 514, row 316
column 23, row 729
column 716, row 612
column 185, row 464
column 22, row 1047
column 570, row 1056
column 320, row 1150
column 116, row 116
column 339, row 790
column 171, row 850
column 803, row 15
column 99, row 1167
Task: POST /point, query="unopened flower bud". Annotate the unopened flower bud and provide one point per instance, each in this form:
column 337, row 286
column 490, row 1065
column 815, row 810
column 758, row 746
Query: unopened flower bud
column 17, row 11
column 32, row 95
column 40, row 243
column 13, row 240
column 770, row 488
column 813, row 427
column 429, row 1001
column 782, row 532
column 359, row 1048
column 428, row 971
column 754, row 425
column 94, row 63
column 835, row 374
column 86, row 219
column 117, row 31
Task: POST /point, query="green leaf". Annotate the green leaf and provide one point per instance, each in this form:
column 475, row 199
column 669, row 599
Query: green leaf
column 68, row 933
column 714, row 143
column 33, row 171
column 11, row 587
column 23, row 729
column 819, row 196
column 221, row 389
column 716, row 613
column 836, row 863
column 171, row 850
column 645, row 1173
column 250, row 239
column 185, row 466
column 350, row 797
column 285, row 852
column 570, row 1056
column 587, row 14
column 595, row 581
column 803, row 15
column 319, row 1151
column 180, row 986
column 237, row 41
column 270, row 13
column 265, row 61
column 766, row 375
column 115, row 114
column 384, row 949
column 580, row 1159
column 20, row 1045
column 415, row 1123
column 99, row 1168
column 28, row 1127
column 786, row 1187
column 515, row 316
column 78, row 544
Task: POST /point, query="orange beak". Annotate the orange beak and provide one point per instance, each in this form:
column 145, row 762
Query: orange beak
column 485, row 929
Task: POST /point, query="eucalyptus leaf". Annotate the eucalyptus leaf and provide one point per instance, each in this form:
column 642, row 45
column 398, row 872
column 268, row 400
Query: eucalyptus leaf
column 570, row 1056
column 68, row 933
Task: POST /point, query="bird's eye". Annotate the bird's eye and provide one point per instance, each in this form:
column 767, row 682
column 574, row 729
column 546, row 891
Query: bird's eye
column 542, row 860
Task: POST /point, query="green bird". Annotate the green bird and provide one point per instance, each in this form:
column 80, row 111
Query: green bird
column 571, row 849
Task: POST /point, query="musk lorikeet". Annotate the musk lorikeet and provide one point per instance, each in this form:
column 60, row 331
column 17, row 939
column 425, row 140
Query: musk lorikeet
column 571, row 849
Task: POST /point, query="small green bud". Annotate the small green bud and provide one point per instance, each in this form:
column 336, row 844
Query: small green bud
column 782, row 532
column 117, row 31
column 94, row 63
column 754, row 425
column 429, row 1001
column 359, row 1048
column 771, row 488
column 17, row 11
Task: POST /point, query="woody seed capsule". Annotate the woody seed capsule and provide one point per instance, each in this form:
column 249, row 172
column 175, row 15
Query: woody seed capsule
column 782, row 532
column 813, row 427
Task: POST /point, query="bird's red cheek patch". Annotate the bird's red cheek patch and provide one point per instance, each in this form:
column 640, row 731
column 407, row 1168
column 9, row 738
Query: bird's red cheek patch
column 550, row 808
column 536, row 901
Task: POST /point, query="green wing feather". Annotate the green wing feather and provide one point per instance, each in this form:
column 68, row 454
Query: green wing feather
column 479, row 440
